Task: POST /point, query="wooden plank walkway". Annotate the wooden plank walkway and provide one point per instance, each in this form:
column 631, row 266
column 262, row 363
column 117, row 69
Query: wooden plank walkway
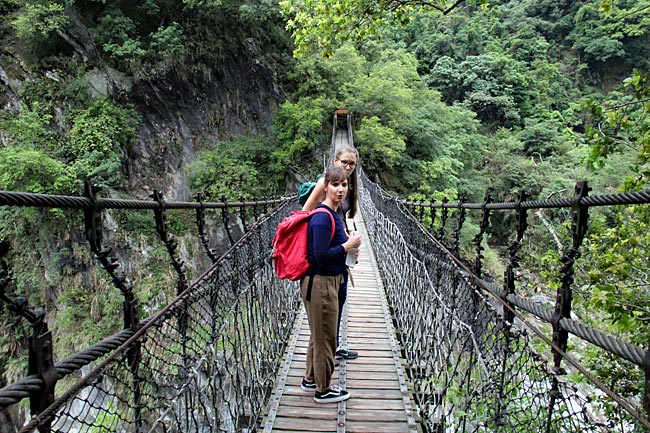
column 380, row 401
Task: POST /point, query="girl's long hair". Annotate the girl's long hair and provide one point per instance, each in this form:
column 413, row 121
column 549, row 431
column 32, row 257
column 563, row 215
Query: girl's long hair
column 352, row 180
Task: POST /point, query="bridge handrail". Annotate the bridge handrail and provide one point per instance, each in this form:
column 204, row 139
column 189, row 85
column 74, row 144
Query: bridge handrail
column 127, row 343
column 596, row 200
column 12, row 198
column 610, row 343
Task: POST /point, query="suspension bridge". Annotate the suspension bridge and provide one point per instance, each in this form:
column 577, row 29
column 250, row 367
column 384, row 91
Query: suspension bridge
column 442, row 348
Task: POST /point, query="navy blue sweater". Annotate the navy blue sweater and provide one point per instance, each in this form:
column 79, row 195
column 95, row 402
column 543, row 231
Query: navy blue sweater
column 327, row 258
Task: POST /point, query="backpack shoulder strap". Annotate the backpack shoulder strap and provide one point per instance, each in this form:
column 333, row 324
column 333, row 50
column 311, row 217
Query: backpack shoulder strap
column 321, row 210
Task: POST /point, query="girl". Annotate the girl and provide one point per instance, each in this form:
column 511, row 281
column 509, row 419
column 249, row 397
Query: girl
column 319, row 289
column 348, row 159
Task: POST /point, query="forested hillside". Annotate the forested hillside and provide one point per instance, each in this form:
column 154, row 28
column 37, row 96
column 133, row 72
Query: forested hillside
column 206, row 96
column 125, row 94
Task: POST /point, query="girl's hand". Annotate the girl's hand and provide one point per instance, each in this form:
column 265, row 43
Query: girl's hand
column 354, row 241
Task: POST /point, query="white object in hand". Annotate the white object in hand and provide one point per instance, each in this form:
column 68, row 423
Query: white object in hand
column 351, row 258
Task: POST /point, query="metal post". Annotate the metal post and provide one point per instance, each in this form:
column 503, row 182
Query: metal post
column 224, row 216
column 168, row 239
column 508, row 314
column 40, row 353
column 443, row 220
column 433, row 215
column 646, row 369
column 200, row 223
column 256, row 216
column 461, row 220
column 93, row 226
column 564, row 297
column 242, row 213
column 484, row 221
column 513, row 259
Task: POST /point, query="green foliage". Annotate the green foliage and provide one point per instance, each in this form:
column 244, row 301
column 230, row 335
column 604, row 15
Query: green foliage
column 622, row 378
column 202, row 3
column 125, row 37
column 36, row 20
column 103, row 126
column 322, row 25
column 620, row 35
column 86, row 316
column 232, row 169
column 622, row 126
column 377, row 143
column 28, row 128
column 300, row 128
column 33, row 171
column 403, row 131
column 168, row 42
column 99, row 136
column 116, row 33
column 615, row 272
column 37, row 160
column 49, row 94
column 13, row 338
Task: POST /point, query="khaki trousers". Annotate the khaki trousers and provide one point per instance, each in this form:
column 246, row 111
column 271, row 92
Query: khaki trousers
column 322, row 313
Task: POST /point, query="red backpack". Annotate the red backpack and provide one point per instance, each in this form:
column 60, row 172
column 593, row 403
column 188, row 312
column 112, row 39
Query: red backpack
column 290, row 244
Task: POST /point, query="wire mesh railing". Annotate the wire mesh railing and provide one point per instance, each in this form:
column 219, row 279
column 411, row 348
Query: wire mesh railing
column 205, row 362
column 472, row 355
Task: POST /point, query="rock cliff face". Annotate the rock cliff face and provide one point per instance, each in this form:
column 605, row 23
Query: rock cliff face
column 181, row 110
column 236, row 98
column 178, row 113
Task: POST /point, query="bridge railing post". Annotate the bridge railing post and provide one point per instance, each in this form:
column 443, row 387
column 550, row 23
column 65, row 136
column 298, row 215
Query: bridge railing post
column 226, row 219
column 432, row 214
column 242, row 214
column 160, row 215
column 200, row 223
column 168, row 239
column 564, row 296
column 461, row 220
column 513, row 257
column 444, row 214
column 93, row 227
column 646, row 369
column 40, row 351
column 484, row 222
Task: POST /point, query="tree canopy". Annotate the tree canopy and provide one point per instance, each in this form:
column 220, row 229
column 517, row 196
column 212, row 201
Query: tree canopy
column 322, row 25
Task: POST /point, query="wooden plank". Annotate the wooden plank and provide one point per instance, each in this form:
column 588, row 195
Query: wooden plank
column 377, row 394
column 305, row 425
column 384, row 415
column 303, row 412
column 376, row 427
column 363, row 404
